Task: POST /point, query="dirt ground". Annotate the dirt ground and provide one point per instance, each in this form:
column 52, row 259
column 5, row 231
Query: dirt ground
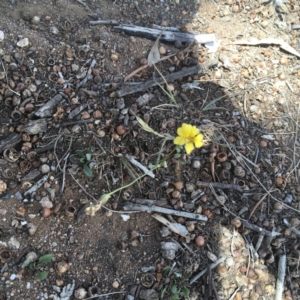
column 246, row 103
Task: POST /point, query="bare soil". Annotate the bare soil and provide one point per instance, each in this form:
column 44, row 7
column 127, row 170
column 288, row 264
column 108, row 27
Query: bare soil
column 247, row 106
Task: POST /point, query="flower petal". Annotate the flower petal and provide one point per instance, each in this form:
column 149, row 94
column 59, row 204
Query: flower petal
column 198, row 140
column 179, row 140
column 184, row 130
column 193, row 131
column 189, row 147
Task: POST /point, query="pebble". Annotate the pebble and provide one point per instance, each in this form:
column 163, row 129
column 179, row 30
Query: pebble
column 44, row 169
column 3, row 211
column 23, row 43
column 1, row 35
column 28, row 285
column 18, row 196
column 225, row 19
column 115, row 284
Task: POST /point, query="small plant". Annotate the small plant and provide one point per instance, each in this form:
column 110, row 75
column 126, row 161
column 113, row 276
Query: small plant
column 85, row 159
column 176, row 290
column 33, row 264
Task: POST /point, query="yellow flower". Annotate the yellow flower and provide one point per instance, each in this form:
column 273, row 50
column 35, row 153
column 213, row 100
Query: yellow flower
column 189, row 136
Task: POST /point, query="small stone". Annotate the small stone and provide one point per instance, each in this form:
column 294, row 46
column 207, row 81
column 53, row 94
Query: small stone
column 35, row 20
column 23, row 43
column 108, row 213
column 45, row 169
column 225, row 19
column 132, row 39
column 1, row 35
column 3, row 211
column 115, row 284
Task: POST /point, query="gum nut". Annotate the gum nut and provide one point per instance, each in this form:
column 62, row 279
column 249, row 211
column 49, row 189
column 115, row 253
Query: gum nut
column 80, row 293
column 62, row 267
column 162, row 50
column 199, row 241
column 3, row 186
column 263, row 144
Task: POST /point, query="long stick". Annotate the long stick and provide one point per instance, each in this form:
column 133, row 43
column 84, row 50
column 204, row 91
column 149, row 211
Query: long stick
column 280, row 278
column 163, row 210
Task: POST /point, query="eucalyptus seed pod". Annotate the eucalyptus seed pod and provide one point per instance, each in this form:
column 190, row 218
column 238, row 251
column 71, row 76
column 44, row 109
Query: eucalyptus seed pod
column 5, row 255
column 7, row 173
column 11, row 155
column 70, row 211
column 239, row 171
column 221, row 157
column 224, row 175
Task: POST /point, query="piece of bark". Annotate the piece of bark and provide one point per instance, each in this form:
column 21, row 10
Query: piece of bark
column 35, row 126
column 10, row 141
column 199, row 69
column 167, row 36
column 47, row 109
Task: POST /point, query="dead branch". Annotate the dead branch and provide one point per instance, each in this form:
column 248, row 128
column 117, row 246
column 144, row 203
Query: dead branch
column 198, row 69
column 167, row 36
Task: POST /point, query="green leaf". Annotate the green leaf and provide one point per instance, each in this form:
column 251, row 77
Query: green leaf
column 163, row 292
column 31, row 266
column 175, row 297
column 174, row 289
column 178, row 275
column 80, row 153
column 87, row 171
column 74, row 160
column 82, row 160
column 42, row 275
column 45, row 259
column 167, row 268
column 88, row 156
column 177, row 155
column 185, row 292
